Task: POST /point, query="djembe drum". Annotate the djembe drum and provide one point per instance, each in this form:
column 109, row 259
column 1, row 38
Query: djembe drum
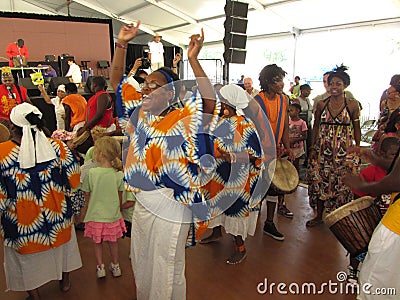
column 285, row 178
column 354, row 223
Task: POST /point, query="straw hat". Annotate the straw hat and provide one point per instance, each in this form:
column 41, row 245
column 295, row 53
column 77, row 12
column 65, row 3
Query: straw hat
column 157, row 35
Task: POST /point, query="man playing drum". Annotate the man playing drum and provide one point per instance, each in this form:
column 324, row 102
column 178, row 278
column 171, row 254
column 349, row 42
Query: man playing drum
column 381, row 268
column 275, row 105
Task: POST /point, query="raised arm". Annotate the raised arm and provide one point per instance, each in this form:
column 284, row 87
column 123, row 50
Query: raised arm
column 44, row 94
column 175, row 63
column 205, row 87
column 127, row 33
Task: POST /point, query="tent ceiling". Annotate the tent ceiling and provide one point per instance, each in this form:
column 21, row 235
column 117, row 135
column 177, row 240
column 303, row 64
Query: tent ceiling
column 177, row 19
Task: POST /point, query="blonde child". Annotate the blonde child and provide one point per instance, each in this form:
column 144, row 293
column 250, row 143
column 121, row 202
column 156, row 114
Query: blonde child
column 103, row 188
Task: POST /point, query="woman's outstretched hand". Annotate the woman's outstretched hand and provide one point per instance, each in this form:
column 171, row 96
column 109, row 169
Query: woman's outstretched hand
column 128, row 32
column 195, row 44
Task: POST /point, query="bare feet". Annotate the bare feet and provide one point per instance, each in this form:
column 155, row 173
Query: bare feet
column 65, row 282
column 33, row 295
column 314, row 222
column 212, row 238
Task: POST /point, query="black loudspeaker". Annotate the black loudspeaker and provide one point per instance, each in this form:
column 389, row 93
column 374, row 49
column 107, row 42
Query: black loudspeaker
column 54, row 83
column 235, row 38
column 103, row 64
column 235, row 56
column 88, row 85
column 234, row 24
column 32, row 89
column 63, row 63
column 237, row 9
column 49, row 58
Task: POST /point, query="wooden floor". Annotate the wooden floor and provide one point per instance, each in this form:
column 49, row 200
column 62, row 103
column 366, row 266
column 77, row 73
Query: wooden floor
column 306, row 256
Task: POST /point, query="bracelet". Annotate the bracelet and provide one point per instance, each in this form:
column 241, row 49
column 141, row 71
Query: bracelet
column 174, row 67
column 118, row 45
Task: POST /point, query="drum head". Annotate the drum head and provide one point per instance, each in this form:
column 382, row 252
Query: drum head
column 348, row 209
column 284, row 175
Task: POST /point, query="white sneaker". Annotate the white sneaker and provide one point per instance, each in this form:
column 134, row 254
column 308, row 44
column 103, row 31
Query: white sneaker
column 101, row 271
column 115, row 269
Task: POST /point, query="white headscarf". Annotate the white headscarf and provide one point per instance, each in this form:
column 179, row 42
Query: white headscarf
column 132, row 81
column 236, row 96
column 41, row 147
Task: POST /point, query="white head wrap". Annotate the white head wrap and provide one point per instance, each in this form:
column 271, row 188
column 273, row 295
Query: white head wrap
column 132, row 81
column 41, row 147
column 61, row 87
column 236, row 96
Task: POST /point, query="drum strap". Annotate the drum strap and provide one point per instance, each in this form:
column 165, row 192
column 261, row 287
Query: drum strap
column 264, row 108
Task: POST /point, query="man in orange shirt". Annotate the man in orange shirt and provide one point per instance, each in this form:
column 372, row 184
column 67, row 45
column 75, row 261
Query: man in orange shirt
column 275, row 105
column 19, row 50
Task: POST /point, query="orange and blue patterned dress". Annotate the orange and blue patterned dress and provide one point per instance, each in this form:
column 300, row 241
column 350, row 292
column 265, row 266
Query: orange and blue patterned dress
column 36, row 214
column 168, row 152
column 236, row 186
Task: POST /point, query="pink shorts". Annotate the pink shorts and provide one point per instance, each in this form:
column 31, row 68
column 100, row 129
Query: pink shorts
column 106, row 232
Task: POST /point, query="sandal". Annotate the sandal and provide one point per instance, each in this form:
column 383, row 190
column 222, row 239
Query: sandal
column 238, row 256
column 314, row 222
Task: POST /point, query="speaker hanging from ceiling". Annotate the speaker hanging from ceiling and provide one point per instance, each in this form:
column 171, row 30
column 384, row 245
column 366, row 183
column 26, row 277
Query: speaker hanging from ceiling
column 235, row 32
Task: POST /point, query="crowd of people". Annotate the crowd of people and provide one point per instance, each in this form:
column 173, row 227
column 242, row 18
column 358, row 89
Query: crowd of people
column 192, row 160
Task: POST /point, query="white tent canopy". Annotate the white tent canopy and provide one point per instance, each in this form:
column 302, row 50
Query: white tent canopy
column 177, row 19
column 305, row 37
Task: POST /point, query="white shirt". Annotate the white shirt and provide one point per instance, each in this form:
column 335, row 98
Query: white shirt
column 59, row 111
column 75, row 72
column 157, row 52
column 254, row 92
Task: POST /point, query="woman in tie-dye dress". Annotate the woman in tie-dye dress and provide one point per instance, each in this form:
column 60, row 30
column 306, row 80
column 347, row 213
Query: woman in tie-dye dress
column 36, row 215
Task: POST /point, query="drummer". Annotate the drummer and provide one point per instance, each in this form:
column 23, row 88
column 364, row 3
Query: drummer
column 275, row 105
column 240, row 150
column 381, row 268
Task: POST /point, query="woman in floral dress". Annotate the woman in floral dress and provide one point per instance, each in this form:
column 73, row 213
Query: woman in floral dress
column 337, row 127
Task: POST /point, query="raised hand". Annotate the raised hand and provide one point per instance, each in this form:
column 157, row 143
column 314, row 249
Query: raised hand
column 195, row 44
column 128, row 32
column 41, row 88
column 176, row 59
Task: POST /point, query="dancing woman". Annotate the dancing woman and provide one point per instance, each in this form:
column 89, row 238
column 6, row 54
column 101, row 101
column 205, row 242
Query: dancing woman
column 164, row 166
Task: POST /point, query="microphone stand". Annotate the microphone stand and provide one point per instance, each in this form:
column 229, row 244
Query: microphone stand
column 21, row 62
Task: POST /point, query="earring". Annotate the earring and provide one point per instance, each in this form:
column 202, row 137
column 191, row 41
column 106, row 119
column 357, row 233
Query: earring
column 226, row 112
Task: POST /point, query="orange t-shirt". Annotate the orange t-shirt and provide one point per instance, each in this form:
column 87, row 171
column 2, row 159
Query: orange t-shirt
column 273, row 107
column 77, row 103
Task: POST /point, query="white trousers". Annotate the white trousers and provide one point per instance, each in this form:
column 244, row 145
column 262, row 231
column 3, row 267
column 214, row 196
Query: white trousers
column 158, row 249
column 381, row 268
